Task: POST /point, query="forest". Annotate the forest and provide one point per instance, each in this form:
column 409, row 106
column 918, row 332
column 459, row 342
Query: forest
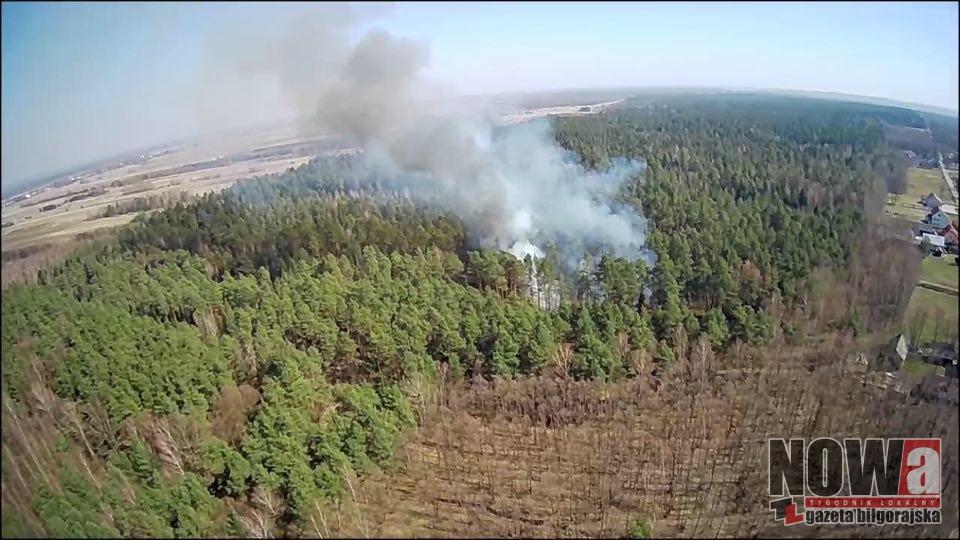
column 232, row 365
column 142, row 204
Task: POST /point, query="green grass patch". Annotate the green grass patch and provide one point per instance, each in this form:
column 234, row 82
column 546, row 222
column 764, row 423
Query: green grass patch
column 931, row 316
column 920, row 183
column 912, row 212
column 915, row 369
column 942, row 271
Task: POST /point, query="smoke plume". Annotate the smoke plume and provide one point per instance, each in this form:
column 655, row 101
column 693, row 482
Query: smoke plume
column 514, row 186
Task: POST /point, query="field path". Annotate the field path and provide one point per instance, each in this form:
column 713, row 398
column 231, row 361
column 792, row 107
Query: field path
column 938, row 287
column 946, row 178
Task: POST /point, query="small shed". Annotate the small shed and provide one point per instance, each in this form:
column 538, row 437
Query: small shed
column 936, row 241
column 892, row 356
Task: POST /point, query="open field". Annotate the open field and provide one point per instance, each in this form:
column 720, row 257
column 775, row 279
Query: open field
column 34, row 225
column 920, row 182
column 931, row 316
column 942, row 271
column 57, row 213
column 53, row 231
column 566, row 110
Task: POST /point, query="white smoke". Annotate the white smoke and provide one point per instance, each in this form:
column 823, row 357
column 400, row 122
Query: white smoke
column 521, row 227
column 522, row 191
column 515, row 187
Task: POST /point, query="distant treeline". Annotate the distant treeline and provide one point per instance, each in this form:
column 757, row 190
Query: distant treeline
column 88, row 194
column 786, row 107
column 188, row 168
column 148, row 202
column 945, row 132
column 72, row 196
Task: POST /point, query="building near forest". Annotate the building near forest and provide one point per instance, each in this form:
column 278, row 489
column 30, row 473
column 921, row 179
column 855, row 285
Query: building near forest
column 892, row 357
column 932, row 201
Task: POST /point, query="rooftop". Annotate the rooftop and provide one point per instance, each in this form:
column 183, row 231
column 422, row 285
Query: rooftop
column 935, row 240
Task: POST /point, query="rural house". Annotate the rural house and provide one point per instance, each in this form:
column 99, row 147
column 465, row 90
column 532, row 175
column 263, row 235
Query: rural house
column 924, row 228
column 937, row 219
column 950, row 235
column 932, row 201
column 935, row 243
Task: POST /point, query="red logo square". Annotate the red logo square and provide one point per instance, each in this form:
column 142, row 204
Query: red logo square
column 920, row 469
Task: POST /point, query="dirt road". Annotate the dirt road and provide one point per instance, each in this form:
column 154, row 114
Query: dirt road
column 946, row 178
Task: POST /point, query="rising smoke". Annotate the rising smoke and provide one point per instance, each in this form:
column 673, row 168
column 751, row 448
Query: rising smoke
column 514, row 186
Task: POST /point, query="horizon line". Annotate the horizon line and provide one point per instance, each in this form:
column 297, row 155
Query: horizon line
column 813, row 94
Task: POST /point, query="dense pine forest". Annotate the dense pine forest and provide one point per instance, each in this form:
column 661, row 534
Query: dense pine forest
column 230, row 365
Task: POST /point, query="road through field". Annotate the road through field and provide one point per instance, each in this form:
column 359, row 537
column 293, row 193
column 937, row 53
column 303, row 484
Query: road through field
column 946, row 178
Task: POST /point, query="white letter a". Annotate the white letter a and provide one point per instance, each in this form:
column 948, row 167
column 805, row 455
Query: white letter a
column 924, row 480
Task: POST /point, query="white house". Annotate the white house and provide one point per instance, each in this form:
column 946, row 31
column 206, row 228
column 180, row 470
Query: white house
column 936, row 241
column 949, row 209
column 938, row 220
column 932, row 201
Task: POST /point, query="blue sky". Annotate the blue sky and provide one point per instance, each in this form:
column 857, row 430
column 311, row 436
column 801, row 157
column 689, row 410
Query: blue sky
column 84, row 81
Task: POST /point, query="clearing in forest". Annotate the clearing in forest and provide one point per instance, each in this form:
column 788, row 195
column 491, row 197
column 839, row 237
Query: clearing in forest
column 920, row 182
column 931, row 316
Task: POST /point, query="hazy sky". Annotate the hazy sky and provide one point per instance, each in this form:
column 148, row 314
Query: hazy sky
column 85, row 81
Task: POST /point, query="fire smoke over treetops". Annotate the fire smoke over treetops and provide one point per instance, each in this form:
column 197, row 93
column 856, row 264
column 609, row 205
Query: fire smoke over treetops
column 515, row 187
